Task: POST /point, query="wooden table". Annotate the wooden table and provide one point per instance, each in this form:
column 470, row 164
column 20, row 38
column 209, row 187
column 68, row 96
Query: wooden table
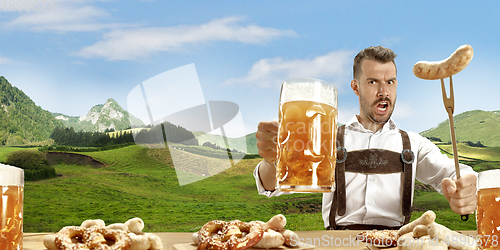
column 320, row 239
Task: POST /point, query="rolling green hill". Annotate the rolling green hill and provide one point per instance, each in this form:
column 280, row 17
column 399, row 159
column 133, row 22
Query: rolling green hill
column 486, row 154
column 246, row 143
column 475, row 125
column 21, row 120
column 141, row 182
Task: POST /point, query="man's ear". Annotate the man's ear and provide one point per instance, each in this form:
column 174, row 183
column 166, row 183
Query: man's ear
column 355, row 87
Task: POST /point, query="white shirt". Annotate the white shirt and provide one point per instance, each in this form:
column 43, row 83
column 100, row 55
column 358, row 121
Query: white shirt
column 376, row 198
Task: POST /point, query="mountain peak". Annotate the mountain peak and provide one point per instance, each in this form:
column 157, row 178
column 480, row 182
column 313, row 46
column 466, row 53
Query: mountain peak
column 111, row 100
column 101, row 117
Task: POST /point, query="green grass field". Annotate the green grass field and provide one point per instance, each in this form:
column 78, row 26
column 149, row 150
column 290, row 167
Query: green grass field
column 4, row 151
column 485, row 154
column 139, row 182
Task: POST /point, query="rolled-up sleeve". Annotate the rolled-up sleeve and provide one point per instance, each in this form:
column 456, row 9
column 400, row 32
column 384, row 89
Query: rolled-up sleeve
column 260, row 187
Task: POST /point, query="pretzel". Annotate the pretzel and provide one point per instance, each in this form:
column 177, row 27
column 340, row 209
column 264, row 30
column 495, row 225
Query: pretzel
column 95, row 239
column 379, row 237
column 218, row 234
column 64, row 238
column 445, row 68
column 206, row 239
column 94, row 235
column 80, row 238
column 221, row 235
column 98, row 238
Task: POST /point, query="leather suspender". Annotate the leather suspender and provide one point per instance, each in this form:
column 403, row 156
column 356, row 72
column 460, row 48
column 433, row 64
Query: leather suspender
column 340, row 173
column 371, row 161
column 407, row 157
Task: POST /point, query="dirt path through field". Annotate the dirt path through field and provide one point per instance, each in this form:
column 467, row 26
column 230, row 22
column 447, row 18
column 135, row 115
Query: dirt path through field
column 73, row 158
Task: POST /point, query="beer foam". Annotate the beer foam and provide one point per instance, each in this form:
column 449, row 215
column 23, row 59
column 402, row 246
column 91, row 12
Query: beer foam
column 489, row 179
column 308, row 89
column 10, row 175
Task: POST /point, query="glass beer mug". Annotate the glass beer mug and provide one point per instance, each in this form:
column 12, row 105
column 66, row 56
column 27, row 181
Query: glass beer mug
column 11, row 217
column 307, row 136
column 488, row 209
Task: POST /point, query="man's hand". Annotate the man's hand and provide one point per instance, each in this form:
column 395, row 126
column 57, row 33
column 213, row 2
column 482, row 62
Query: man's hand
column 461, row 193
column 267, row 141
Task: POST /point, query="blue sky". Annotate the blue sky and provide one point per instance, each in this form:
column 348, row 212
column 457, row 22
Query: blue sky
column 77, row 54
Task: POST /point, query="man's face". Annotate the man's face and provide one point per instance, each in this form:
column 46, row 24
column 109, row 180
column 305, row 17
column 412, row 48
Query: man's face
column 376, row 88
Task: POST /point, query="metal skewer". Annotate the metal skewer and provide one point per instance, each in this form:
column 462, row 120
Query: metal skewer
column 449, row 104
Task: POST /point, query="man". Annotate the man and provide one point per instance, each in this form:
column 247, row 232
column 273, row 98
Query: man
column 376, row 199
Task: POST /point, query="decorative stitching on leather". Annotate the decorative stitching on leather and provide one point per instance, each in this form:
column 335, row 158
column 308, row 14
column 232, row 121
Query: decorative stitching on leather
column 373, row 162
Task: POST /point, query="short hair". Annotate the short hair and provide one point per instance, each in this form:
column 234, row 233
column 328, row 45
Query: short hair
column 378, row 53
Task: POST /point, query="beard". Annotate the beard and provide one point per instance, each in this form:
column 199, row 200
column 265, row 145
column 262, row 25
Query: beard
column 367, row 109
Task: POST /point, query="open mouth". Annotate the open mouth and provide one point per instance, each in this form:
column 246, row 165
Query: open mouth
column 382, row 106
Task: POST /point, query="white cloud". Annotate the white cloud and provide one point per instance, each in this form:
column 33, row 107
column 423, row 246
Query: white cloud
column 137, row 43
column 5, row 60
column 269, row 72
column 67, row 16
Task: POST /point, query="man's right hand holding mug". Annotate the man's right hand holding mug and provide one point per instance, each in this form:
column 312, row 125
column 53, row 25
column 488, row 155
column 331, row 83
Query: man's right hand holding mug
column 267, row 143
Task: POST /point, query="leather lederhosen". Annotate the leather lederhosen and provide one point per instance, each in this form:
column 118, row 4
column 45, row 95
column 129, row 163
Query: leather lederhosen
column 371, row 161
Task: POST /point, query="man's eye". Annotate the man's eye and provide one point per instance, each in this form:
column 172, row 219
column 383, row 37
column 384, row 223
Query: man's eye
column 371, row 82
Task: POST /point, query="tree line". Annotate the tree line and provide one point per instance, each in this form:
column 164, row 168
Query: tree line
column 151, row 135
column 160, row 133
column 69, row 137
column 477, row 144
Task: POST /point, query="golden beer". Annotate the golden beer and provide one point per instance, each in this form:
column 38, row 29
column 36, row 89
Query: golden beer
column 11, row 207
column 307, row 138
column 11, row 219
column 488, row 209
column 488, row 218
